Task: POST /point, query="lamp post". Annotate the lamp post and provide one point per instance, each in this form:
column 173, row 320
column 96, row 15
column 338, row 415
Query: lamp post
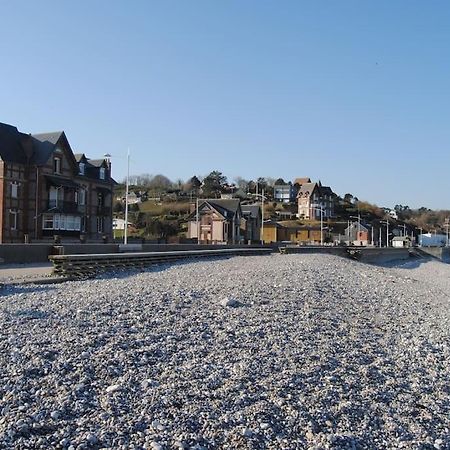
column 262, row 210
column 404, row 229
column 321, row 222
column 127, row 186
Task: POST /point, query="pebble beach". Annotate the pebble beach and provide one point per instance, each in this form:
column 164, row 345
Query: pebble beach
column 257, row 352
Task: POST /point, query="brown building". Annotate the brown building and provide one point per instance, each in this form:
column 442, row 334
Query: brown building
column 291, row 231
column 46, row 191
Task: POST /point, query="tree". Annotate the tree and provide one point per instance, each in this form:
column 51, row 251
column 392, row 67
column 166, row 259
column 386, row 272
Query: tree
column 160, row 183
column 192, row 185
column 118, row 207
column 214, row 183
column 242, row 184
column 348, row 198
column 161, row 228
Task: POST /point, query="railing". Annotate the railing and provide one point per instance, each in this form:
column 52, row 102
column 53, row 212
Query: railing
column 103, row 210
column 62, row 206
column 81, row 266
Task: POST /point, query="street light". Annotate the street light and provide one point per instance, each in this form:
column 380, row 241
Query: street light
column 321, row 222
column 125, row 234
column 127, row 186
column 262, row 212
column 404, row 229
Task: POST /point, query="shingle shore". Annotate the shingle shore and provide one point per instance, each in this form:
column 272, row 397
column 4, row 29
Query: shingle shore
column 312, row 352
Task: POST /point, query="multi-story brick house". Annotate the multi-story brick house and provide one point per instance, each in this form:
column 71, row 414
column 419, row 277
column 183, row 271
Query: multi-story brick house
column 46, row 191
column 313, row 198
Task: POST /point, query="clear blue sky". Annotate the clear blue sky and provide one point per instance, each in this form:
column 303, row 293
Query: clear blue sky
column 355, row 93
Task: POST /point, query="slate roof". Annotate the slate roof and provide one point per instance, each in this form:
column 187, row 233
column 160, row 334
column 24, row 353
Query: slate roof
column 251, row 210
column 12, row 144
column 53, row 137
column 302, row 180
column 44, row 145
column 231, row 205
column 96, row 162
column 307, row 187
column 79, row 157
column 326, row 190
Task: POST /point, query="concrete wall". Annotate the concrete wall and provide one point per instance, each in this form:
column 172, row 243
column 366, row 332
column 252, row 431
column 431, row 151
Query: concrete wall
column 82, row 249
column 25, row 253
column 442, row 253
column 383, row 255
column 181, row 247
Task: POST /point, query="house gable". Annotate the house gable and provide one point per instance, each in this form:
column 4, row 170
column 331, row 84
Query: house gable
column 49, row 146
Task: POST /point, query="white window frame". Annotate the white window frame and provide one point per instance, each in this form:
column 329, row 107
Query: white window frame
column 46, row 220
column 81, row 197
column 14, row 189
column 13, row 222
column 82, row 167
column 57, row 165
column 102, row 173
column 61, row 222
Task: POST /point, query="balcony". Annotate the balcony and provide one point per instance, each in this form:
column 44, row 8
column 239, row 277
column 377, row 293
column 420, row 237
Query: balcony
column 103, row 210
column 62, row 206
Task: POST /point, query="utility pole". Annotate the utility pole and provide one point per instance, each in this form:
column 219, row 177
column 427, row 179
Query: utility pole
column 447, row 225
column 197, row 221
column 125, row 234
column 262, row 218
column 387, row 231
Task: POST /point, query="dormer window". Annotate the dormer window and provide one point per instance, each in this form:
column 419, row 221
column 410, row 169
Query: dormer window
column 81, row 167
column 57, row 165
column 102, row 173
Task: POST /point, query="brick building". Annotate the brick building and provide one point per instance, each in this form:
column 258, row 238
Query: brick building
column 46, row 190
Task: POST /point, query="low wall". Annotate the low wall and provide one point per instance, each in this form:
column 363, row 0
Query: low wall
column 369, row 255
column 182, row 247
column 383, row 255
column 25, row 253
column 83, row 249
column 442, row 253
column 330, row 250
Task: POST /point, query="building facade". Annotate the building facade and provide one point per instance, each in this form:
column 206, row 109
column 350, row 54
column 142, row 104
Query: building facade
column 284, row 193
column 315, row 200
column 217, row 221
column 48, row 191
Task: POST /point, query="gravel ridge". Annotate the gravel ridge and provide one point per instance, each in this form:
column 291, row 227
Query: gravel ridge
column 256, row 352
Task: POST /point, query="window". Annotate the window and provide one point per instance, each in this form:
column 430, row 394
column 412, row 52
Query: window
column 100, row 199
column 81, row 166
column 100, row 224
column 55, row 197
column 14, row 190
column 102, row 173
column 61, row 222
column 13, row 219
column 81, row 197
column 57, row 165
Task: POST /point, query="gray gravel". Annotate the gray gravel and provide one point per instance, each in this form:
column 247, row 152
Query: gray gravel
column 263, row 352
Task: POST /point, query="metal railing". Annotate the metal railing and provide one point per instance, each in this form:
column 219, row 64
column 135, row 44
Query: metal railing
column 62, row 206
column 84, row 266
